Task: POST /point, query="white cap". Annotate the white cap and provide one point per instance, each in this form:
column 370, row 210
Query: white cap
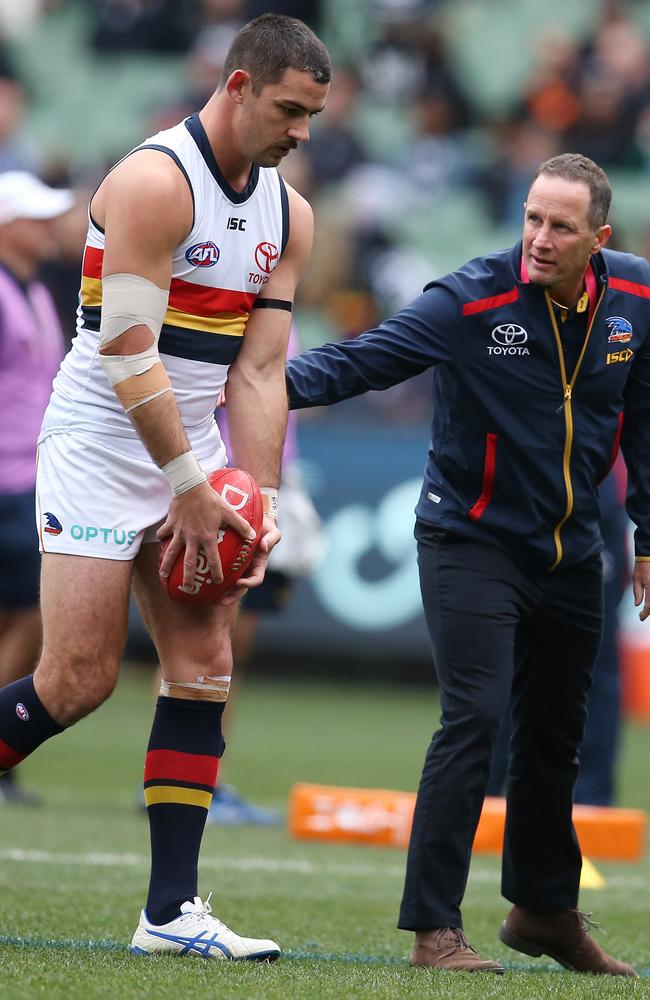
column 24, row 196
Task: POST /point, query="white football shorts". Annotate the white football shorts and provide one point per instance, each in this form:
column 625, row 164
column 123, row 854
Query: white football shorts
column 93, row 501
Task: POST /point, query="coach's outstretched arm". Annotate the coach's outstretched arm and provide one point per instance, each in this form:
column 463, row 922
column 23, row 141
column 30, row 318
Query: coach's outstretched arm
column 419, row 336
column 145, row 208
column 256, row 396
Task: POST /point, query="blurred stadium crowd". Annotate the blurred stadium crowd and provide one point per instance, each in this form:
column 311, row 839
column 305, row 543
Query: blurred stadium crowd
column 438, row 114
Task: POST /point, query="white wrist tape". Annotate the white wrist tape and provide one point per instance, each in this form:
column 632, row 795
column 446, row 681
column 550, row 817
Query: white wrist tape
column 129, row 300
column 270, row 501
column 184, row 472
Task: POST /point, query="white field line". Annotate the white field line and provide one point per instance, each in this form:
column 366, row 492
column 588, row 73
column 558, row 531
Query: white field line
column 108, row 860
column 95, row 859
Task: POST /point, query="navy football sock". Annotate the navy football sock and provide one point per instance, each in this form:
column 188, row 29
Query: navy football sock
column 25, row 723
column 179, row 775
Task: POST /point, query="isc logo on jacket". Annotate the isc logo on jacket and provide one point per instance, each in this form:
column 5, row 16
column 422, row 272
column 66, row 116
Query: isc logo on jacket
column 615, row 356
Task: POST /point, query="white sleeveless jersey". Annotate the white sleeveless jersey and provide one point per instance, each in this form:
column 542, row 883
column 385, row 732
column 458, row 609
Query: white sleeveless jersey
column 217, row 273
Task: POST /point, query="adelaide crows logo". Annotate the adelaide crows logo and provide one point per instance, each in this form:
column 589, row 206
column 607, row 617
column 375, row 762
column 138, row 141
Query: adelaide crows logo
column 203, row 254
column 620, row 330
column 52, row 524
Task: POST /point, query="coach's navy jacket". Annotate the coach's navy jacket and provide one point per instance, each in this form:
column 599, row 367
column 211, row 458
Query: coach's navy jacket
column 521, row 434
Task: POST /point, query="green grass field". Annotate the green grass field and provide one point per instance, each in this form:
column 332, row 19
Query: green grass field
column 73, row 874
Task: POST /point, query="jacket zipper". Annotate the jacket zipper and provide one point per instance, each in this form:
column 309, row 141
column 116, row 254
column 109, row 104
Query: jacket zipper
column 568, row 417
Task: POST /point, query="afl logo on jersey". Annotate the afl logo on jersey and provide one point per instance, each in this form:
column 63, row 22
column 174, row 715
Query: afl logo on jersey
column 203, row 254
column 266, row 256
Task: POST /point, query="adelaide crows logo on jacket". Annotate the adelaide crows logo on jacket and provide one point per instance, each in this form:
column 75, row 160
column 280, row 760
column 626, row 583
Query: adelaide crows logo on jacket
column 620, row 330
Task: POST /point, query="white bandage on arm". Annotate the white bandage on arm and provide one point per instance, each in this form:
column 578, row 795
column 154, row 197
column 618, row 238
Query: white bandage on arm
column 129, row 300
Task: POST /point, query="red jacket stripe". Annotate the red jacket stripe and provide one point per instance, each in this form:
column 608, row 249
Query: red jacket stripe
column 615, row 447
column 633, row 287
column 493, row 302
column 488, row 477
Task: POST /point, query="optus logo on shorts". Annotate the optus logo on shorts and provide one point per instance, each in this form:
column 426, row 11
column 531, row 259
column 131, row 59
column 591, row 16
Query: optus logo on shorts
column 108, row 536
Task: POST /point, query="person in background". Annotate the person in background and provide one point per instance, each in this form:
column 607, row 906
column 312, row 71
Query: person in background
column 31, row 348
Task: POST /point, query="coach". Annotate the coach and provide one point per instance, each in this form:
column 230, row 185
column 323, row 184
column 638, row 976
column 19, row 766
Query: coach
column 541, row 366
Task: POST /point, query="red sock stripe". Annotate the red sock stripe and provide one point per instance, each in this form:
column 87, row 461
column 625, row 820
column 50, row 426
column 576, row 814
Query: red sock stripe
column 8, row 757
column 173, row 765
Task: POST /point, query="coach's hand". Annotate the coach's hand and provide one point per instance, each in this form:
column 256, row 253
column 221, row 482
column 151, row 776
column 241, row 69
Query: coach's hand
column 270, row 536
column 194, row 521
column 641, row 587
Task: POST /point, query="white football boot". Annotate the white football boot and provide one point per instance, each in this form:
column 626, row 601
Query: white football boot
column 195, row 932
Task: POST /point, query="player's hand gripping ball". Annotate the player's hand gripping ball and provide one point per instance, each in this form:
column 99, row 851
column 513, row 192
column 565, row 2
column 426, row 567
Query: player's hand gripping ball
column 240, row 490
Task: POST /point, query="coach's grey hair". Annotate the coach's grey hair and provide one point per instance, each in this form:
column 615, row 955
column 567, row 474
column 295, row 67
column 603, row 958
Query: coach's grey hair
column 273, row 43
column 575, row 167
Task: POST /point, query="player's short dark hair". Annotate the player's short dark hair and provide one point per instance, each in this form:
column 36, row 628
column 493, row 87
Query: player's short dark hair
column 576, row 167
column 273, row 43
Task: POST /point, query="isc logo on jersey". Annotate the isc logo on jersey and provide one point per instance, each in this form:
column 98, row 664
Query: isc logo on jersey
column 203, row 254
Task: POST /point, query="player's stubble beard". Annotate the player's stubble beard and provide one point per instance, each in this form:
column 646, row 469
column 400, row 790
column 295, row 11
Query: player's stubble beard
column 257, row 147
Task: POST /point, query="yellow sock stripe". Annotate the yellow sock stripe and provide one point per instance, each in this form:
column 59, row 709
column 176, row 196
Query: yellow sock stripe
column 156, row 794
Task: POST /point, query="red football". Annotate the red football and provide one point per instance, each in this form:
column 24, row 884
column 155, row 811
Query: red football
column 242, row 492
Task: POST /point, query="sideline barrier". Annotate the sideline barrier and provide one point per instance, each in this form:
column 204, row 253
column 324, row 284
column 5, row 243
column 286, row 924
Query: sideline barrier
column 382, row 817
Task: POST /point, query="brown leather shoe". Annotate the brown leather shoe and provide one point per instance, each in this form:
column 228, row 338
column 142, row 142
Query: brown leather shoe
column 562, row 936
column 448, row 948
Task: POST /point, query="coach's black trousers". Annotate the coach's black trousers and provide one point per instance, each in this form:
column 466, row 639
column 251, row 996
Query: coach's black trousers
column 498, row 627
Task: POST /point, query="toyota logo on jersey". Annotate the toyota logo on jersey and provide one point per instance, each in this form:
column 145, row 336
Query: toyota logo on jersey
column 203, row 254
column 266, row 256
